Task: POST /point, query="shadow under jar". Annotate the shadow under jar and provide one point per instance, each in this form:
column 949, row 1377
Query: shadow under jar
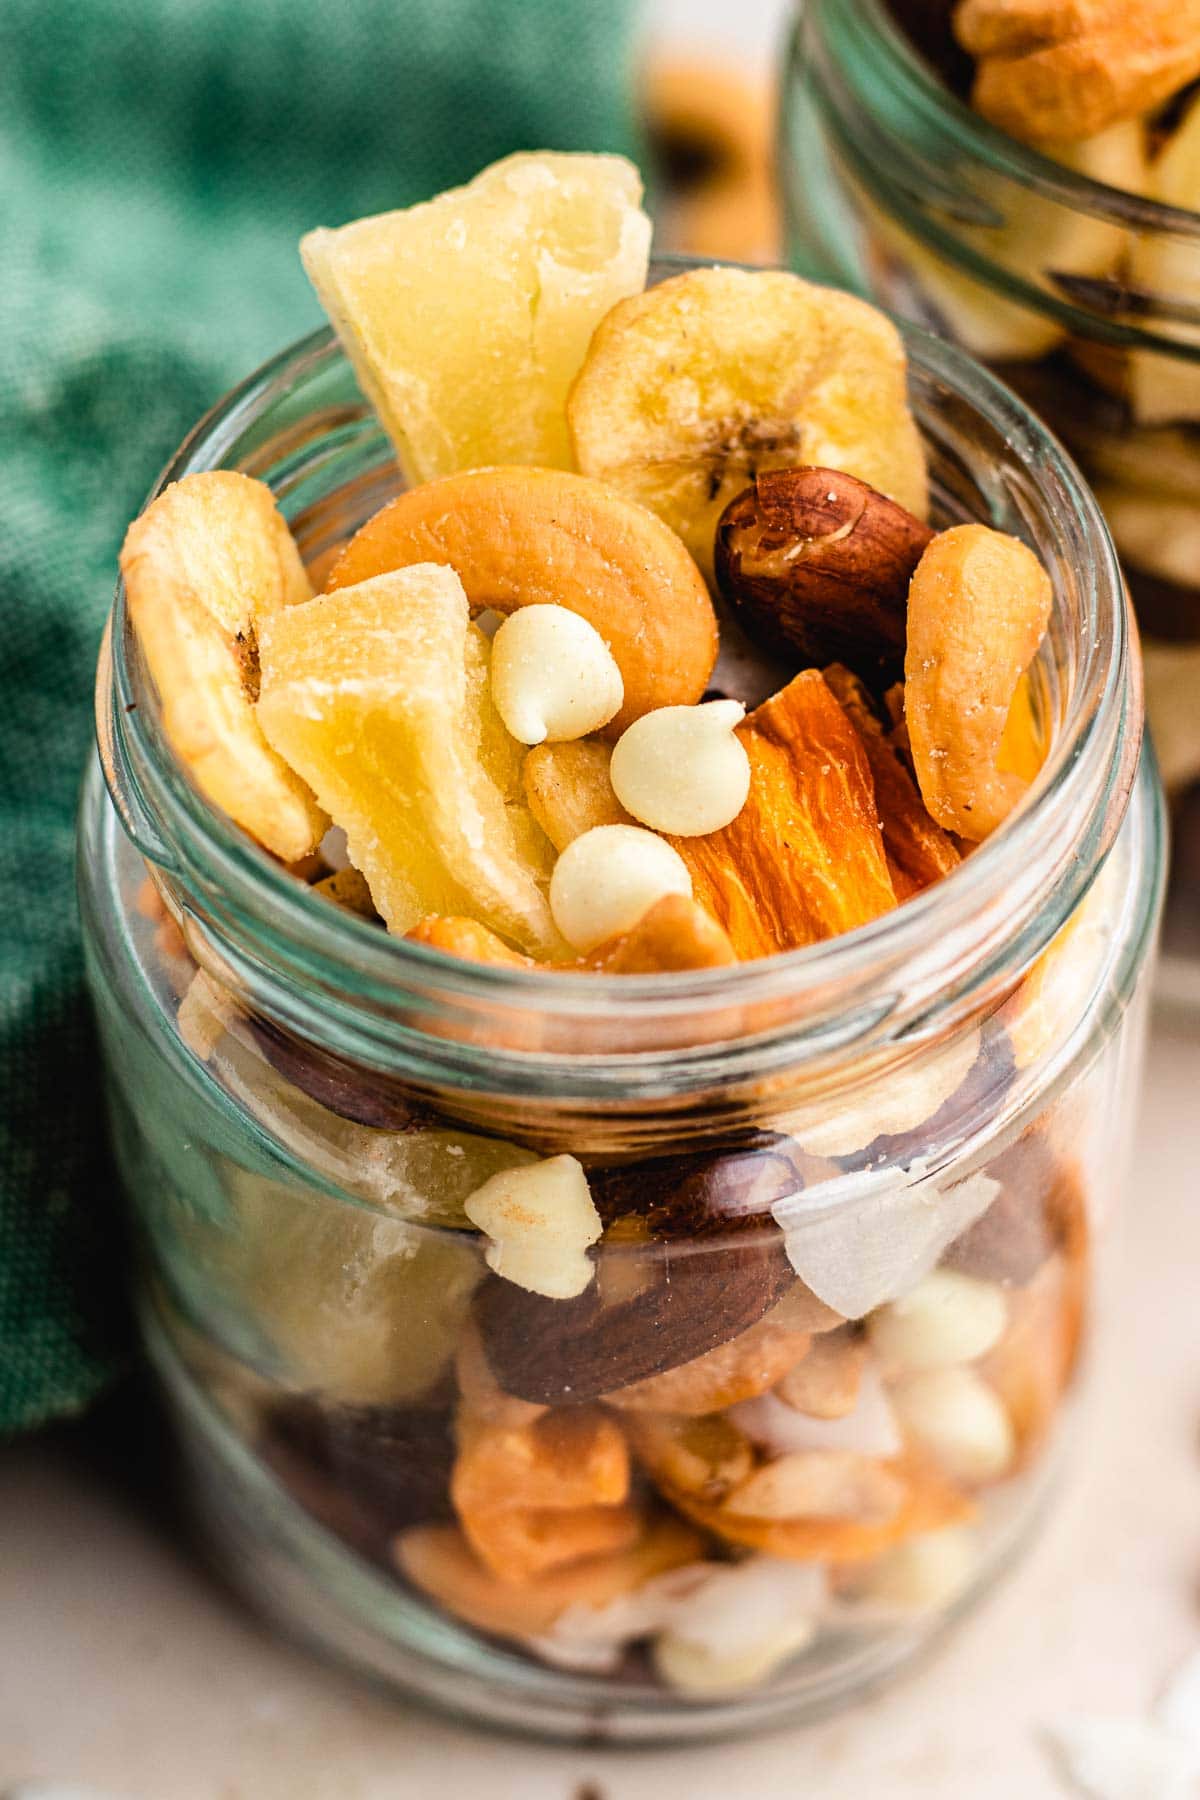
column 854, row 1197
column 1083, row 296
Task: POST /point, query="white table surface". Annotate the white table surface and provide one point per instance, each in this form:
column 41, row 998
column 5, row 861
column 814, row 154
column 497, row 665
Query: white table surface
column 123, row 1667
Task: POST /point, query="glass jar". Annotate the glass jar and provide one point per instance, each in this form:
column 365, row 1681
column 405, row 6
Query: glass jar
column 813, row 1384
column 1076, row 291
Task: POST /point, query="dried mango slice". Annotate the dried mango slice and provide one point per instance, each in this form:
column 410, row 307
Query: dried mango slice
column 692, row 388
column 804, row 859
column 204, row 567
column 467, row 317
column 378, row 694
column 919, row 852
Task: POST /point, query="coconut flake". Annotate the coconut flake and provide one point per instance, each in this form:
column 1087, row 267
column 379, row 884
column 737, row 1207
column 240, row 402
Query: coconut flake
column 865, row 1238
column 1115, row 1758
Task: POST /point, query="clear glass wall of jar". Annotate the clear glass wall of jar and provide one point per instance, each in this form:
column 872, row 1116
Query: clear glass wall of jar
column 1080, row 294
column 823, row 1364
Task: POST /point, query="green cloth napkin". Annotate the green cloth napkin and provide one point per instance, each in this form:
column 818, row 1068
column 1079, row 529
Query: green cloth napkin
column 159, row 160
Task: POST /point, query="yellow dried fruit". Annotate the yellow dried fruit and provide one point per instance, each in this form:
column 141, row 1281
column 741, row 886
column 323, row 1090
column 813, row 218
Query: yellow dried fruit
column 205, row 566
column 978, row 608
column 467, row 317
column 519, row 537
column 378, row 694
column 706, row 1456
column 804, row 859
column 692, row 388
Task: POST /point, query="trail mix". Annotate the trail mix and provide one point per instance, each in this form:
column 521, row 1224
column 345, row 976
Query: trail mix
column 595, row 1407
column 1110, row 92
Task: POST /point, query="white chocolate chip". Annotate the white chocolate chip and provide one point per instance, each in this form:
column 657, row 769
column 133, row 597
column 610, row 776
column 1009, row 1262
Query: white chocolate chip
column 541, row 1220
column 926, row 1571
column 947, row 1318
column 682, row 769
column 960, row 1421
column 608, row 879
column 553, row 676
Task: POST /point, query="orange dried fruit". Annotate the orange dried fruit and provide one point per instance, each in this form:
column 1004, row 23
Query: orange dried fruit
column 919, row 852
column 804, row 859
column 440, row 1563
column 519, row 537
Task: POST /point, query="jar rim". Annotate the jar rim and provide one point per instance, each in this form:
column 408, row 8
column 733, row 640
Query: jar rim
column 938, row 946
column 920, row 90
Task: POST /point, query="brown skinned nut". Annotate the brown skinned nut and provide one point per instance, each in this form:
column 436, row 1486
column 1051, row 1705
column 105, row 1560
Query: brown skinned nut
column 817, row 564
column 690, row 1258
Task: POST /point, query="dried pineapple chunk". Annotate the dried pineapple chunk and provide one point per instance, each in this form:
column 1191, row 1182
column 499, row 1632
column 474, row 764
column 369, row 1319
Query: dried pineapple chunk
column 204, row 567
column 692, row 388
column 378, row 695
column 466, row 318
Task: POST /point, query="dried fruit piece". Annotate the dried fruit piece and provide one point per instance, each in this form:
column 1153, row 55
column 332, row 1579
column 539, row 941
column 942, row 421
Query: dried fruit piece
column 439, row 1562
column 919, row 852
column 978, row 609
column 692, row 388
column 816, row 565
column 689, row 1260
column 536, row 1496
column 1063, row 69
column 379, row 695
column 466, row 318
column 520, row 537
column 205, row 566
column 568, row 789
column 804, row 859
